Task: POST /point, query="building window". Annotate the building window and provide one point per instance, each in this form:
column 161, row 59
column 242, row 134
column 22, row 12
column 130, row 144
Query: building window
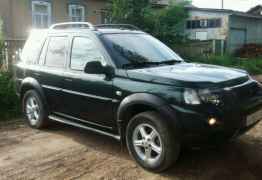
column 77, row 13
column 41, row 14
column 204, row 23
column 202, row 36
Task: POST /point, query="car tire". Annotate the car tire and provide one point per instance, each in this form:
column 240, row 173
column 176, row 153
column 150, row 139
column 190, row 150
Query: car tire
column 34, row 110
column 151, row 142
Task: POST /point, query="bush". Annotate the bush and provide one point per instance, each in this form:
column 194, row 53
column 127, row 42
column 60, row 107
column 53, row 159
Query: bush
column 253, row 66
column 9, row 103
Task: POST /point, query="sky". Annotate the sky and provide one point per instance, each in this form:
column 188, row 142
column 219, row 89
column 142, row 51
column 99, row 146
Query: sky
column 240, row 5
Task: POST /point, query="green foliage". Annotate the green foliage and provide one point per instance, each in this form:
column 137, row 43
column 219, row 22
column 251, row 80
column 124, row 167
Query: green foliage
column 253, row 66
column 1, row 42
column 9, row 103
column 167, row 24
column 129, row 11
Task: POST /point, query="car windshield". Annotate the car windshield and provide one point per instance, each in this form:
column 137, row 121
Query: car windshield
column 138, row 50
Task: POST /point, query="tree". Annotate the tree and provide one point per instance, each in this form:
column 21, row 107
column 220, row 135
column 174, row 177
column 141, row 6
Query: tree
column 1, row 43
column 128, row 11
column 167, row 24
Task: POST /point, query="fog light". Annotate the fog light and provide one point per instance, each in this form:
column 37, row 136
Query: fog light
column 212, row 121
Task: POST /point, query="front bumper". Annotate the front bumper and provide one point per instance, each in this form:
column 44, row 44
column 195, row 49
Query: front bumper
column 231, row 117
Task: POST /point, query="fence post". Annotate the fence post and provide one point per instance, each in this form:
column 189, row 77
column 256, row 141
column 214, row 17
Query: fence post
column 6, row 59
column 222, row 47
column 214, row 46
column 2, row 59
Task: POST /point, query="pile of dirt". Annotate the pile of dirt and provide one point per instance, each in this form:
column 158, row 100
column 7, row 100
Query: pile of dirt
column 250, row 51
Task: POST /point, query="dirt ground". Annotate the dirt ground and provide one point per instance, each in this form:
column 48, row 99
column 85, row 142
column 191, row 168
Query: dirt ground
column 64, row 152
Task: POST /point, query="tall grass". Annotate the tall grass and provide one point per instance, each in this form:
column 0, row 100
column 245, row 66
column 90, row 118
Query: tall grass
column 253, row 66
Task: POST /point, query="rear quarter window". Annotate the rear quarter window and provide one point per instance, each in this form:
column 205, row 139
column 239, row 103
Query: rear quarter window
column 33, row 46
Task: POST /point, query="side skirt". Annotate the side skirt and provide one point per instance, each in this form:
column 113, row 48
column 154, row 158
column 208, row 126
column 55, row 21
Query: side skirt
column 68, row 122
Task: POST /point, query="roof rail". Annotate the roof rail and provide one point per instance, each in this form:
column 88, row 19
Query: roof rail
column 72, row 24
column 123, row 26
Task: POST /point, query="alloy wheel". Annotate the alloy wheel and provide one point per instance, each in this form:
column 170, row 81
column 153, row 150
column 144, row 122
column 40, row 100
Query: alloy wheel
column 32, row 110
column 147, row 143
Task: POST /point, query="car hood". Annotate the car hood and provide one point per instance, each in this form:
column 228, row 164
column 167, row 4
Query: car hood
column 190, row 74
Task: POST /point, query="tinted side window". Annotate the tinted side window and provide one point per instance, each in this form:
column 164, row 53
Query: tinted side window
column 83, row 51
column 56, row 53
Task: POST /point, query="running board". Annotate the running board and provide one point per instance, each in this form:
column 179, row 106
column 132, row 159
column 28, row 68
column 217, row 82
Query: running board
column 68, row 122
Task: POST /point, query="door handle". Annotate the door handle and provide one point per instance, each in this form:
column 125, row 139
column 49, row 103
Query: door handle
column 68, row 80
column 37, row 74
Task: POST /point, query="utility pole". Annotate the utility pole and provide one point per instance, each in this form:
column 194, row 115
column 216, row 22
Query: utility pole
column 222, row 4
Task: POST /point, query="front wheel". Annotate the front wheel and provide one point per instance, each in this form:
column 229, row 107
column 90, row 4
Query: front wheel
column 151, row 142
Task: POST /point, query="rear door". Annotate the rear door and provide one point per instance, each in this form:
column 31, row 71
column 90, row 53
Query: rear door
column 53, row 62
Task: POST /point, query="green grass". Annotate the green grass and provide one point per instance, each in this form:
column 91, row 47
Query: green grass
column 253, row 66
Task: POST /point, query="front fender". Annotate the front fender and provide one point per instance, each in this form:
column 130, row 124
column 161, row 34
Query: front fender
column 156, row 103
column 139, row 99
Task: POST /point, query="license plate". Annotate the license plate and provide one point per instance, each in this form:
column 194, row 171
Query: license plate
column 253, row 118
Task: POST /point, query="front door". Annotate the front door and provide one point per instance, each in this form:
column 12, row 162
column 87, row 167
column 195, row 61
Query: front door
column 87, row 97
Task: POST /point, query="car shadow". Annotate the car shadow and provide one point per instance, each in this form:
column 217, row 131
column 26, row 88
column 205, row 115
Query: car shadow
column 90, row 139
column 240, row 159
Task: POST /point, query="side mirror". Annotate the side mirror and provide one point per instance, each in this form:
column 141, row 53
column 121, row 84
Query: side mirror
column 95, row 67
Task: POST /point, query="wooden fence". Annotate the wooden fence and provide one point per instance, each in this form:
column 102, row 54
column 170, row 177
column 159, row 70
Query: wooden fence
column 201, row 48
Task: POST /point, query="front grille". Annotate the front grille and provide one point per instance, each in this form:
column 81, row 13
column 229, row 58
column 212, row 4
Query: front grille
column 246, row 91
column 235, row 82
column 232, row 97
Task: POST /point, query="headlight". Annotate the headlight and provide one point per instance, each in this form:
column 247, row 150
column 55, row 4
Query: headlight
column 191, row 97
column 209, row 97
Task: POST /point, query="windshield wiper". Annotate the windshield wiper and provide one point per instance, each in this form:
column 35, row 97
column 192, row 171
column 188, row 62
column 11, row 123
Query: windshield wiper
column 146, row 63
column 170, row 62
column 139, row 64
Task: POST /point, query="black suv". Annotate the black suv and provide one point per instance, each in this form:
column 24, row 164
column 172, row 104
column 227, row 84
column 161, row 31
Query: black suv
column 121, row 82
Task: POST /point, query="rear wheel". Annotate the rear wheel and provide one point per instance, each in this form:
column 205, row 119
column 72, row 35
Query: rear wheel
column 151, row 142
column 34, row 110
